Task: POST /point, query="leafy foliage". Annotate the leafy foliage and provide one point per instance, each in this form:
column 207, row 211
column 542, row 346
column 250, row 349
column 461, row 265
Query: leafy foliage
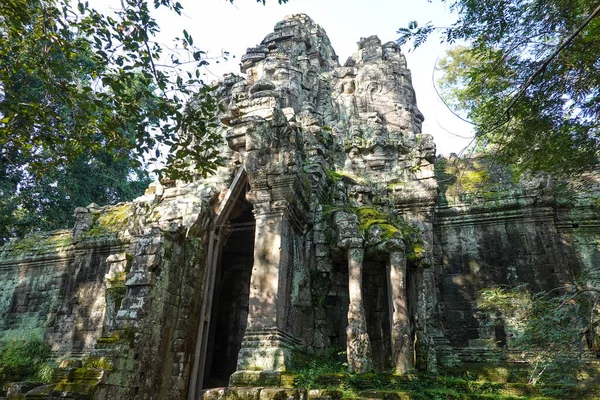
column 327, row 372
column 22, row 360
column 528, row 78
column 555, row 329
column 105, row 72
column 50, row 138
column 309, row 369
column 84, row 97
column 47, row 201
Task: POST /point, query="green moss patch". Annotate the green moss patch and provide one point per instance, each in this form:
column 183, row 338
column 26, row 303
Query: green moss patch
column 334, row 177
column 39, row 242
column 391, row 226
column 111, row 220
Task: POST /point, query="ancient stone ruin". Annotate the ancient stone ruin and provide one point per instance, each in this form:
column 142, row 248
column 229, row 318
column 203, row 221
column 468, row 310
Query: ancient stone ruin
column 328, row 227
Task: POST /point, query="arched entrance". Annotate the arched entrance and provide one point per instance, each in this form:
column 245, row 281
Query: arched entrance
column 227, row 281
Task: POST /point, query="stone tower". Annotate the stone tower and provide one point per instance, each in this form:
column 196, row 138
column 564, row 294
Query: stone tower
column 324, row 148
column 325, row 229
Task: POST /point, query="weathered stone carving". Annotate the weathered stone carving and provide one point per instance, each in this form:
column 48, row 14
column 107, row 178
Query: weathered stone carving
column 324, row 229
column 297, row 116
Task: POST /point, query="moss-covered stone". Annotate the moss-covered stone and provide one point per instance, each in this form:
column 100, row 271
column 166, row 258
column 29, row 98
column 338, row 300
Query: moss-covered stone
column 37, row 242
column 111, row 219
column 99, row 363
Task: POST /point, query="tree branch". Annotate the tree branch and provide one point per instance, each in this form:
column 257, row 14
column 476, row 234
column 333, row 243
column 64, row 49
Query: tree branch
column 552, row 56
column 580, row 290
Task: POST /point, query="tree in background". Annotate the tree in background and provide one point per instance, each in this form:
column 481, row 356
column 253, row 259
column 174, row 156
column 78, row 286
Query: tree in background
column 528, row 78
column 47, row 201
column 84, row 97
column 526, row 73
column 81, row 102
column 556, row 330
column 76, row 80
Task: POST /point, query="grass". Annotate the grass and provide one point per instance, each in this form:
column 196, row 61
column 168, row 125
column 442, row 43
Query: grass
column 328, row 373
column 23, row 360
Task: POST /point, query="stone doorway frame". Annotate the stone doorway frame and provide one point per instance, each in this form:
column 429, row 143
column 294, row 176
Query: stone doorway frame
column 237, row 187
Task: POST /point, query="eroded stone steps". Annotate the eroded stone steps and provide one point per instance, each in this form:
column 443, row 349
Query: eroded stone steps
column 74, row 379
column 507, row 392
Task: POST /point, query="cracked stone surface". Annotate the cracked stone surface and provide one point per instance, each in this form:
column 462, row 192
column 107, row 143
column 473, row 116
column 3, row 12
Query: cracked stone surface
column 363, row 240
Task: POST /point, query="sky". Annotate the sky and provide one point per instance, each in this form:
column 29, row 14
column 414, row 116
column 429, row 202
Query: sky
column 218, row 25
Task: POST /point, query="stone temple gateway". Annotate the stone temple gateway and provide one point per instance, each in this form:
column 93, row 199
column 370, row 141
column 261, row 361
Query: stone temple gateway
column 328, row 227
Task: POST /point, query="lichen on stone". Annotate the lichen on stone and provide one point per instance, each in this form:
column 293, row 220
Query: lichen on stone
column 110, row 220
column 38, row 242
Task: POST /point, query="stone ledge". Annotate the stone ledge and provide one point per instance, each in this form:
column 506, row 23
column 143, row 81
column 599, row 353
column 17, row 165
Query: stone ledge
column 254, row 393
column 255, row 378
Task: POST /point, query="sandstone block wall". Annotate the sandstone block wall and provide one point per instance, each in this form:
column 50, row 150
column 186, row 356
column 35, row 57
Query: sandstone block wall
column 55, row 289
column 498, row 231
column 330, row 225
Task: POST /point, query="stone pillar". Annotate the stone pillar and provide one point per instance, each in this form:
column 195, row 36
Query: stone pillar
column 360, row 357
column 266, row 348
column 432, row 332
column 423, row 339
column 402, row 345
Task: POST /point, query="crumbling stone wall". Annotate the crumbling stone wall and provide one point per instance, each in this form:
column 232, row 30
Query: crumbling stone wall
column 120, row 293
column 492, row 229
column 54, row 288
column 159, row 320
column 353, row 240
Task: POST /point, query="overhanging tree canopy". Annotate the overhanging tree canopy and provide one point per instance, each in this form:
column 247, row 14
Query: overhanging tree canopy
column 83, row 97
column 105, row 70
column 529, row 78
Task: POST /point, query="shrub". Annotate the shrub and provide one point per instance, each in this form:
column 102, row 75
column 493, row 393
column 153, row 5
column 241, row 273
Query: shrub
column 22, row 360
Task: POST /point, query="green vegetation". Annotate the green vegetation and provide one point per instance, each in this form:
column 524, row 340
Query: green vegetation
column 110, row 220
column 100, row 69
column 46, row 201
column 373, row 222
column 387, row 226
column 557, row 330
column 390, row 226
column 466, row 179
column 310, row 368
column 527, row 79
column 327, row 373
column 369, row 216
column 40, row 241
column 85, row 98
column 24, row 360
column 462, row 179
column 334, row 177
column 98, row 363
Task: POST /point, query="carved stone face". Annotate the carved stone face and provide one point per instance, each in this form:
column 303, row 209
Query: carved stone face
column 348, row 86
column 276, row 77
column 390, row 94
column 276, row 71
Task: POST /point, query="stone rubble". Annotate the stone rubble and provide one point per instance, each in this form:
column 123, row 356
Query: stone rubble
column 328, row 227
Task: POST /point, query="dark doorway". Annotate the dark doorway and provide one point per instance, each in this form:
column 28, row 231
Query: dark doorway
column 375, row 302
column 230, row 301
column 377, row 313
column 336, row 303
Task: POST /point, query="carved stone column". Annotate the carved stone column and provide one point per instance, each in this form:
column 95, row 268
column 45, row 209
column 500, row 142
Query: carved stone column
column 402, row 345
column 360, row 358
column 266, row 348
